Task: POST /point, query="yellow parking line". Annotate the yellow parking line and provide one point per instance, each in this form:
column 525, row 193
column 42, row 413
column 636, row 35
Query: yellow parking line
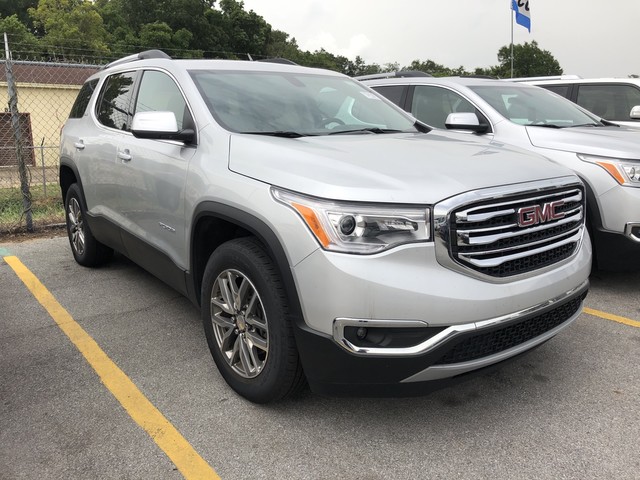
column 163, row 433
column 610, row 316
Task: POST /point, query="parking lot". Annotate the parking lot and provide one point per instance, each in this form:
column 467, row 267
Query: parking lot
column 568, row 409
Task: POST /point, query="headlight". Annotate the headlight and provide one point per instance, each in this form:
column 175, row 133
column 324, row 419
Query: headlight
column 626, row 172
column 362, row 228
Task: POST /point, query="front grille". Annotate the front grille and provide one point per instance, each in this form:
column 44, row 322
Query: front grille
column 485, row 344
column 517, row 234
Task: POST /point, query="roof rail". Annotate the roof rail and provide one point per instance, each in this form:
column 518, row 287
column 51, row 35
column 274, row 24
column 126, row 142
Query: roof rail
column 284, row 61
column 138, row 56
column 549, row 77
column 399, row 74
column 484, row 77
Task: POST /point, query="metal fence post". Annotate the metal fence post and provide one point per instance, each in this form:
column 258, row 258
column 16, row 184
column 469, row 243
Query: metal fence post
column 44, row 169
column 17, row 135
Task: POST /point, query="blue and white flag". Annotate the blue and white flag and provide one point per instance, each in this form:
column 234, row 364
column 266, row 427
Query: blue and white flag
column 523, row 15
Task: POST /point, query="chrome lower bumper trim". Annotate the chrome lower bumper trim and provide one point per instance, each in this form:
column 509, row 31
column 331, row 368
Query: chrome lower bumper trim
column 444, row 336
column 446, row 371
column 628, row 231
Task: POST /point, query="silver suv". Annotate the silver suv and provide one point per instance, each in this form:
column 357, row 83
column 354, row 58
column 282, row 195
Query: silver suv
column 325, row 236
column 605, row 156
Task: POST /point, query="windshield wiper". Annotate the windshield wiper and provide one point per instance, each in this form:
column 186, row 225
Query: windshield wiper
column 281, row 133
column 553, row 125
column 586, row 125
column 421, row 127
column 376, row 130
column 607, row 123
column 545, row 125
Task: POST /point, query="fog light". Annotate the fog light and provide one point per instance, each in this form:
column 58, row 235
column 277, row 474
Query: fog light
column 361, row 333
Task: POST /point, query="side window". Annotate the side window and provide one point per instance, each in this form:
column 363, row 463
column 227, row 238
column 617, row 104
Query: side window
column 392, row 92
column 83, row 98
column 562, row 90
column 113, row 107
column 613, row 102
column 159, row 93
column 432, row 105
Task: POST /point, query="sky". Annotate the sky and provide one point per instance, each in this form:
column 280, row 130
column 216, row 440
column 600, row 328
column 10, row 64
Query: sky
column 590, row 38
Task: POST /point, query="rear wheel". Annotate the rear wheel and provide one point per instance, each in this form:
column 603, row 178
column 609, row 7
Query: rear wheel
column 244, row 312
column 87, row 251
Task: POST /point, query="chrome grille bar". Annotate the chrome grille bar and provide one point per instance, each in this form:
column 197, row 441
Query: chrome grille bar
column 498, row 235
column 468, row 215
column 494, row 262
column 464, row 236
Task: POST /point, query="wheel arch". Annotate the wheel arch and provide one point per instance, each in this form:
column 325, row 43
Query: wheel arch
column 68, row 175
column 215, row 223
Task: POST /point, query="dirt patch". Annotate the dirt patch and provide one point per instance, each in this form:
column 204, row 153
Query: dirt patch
column 21, row 235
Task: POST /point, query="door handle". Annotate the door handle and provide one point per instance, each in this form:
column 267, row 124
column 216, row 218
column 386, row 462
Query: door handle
column 79, row 145
column 124, row 155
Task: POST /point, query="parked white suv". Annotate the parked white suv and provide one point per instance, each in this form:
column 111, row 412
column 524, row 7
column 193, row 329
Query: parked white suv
column 605, row 156
column 614, row 99
column 323, row 233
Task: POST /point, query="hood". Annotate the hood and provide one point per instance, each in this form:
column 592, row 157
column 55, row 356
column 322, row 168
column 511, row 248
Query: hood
column 394, row 168
column 620, row 142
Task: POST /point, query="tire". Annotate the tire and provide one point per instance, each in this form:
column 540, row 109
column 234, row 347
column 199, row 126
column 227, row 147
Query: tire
column 245, row 317
column 87, row 251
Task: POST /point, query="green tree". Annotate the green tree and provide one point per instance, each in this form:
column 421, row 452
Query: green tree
column 319, row 59
column 160, row 35
column 74, row 25
column 359, row 67
column 21, row 41
column 247, row 32
column 280, row 46
column 20, row 9
column 529, row 60
column 156, row 35
column 133, row 24
column 435, row 69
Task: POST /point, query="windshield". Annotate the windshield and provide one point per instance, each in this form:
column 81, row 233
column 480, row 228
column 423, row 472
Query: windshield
column 294, row 104
column 534, row 106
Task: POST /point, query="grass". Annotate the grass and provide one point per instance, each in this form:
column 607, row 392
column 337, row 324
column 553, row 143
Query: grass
column 46, row 209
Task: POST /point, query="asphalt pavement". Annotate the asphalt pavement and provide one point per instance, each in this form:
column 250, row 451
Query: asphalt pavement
column 567, row 410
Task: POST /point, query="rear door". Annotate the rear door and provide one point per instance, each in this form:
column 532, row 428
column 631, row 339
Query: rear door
column 102, row 130
column 612, row 101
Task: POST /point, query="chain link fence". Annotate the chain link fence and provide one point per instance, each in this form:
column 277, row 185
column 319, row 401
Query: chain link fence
column 38, row 96
column 46, row 91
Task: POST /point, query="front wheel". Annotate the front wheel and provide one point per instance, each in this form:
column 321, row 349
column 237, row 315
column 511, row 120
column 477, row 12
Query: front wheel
column 87, row 251
column 244, row 312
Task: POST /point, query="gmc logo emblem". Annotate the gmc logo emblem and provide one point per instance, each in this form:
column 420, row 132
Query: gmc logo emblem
column 528, row 216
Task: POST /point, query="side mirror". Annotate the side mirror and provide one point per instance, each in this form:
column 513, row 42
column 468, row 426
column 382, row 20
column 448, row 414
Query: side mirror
column 160, row 126
column 465, row 121
column 635, row 113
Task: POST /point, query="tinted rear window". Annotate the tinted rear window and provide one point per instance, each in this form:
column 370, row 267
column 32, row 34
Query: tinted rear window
column 113, row 107
column 392, row 92
column 83, row 98
column 613, row 102
column 562, row 90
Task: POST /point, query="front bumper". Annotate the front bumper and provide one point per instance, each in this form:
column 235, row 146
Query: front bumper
column 615, row 229
column 617, row 252
column 447, row 311
column 450, row 356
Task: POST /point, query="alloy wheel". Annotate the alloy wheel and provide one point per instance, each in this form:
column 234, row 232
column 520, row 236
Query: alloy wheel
column 76, row 226
column 239, row 323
